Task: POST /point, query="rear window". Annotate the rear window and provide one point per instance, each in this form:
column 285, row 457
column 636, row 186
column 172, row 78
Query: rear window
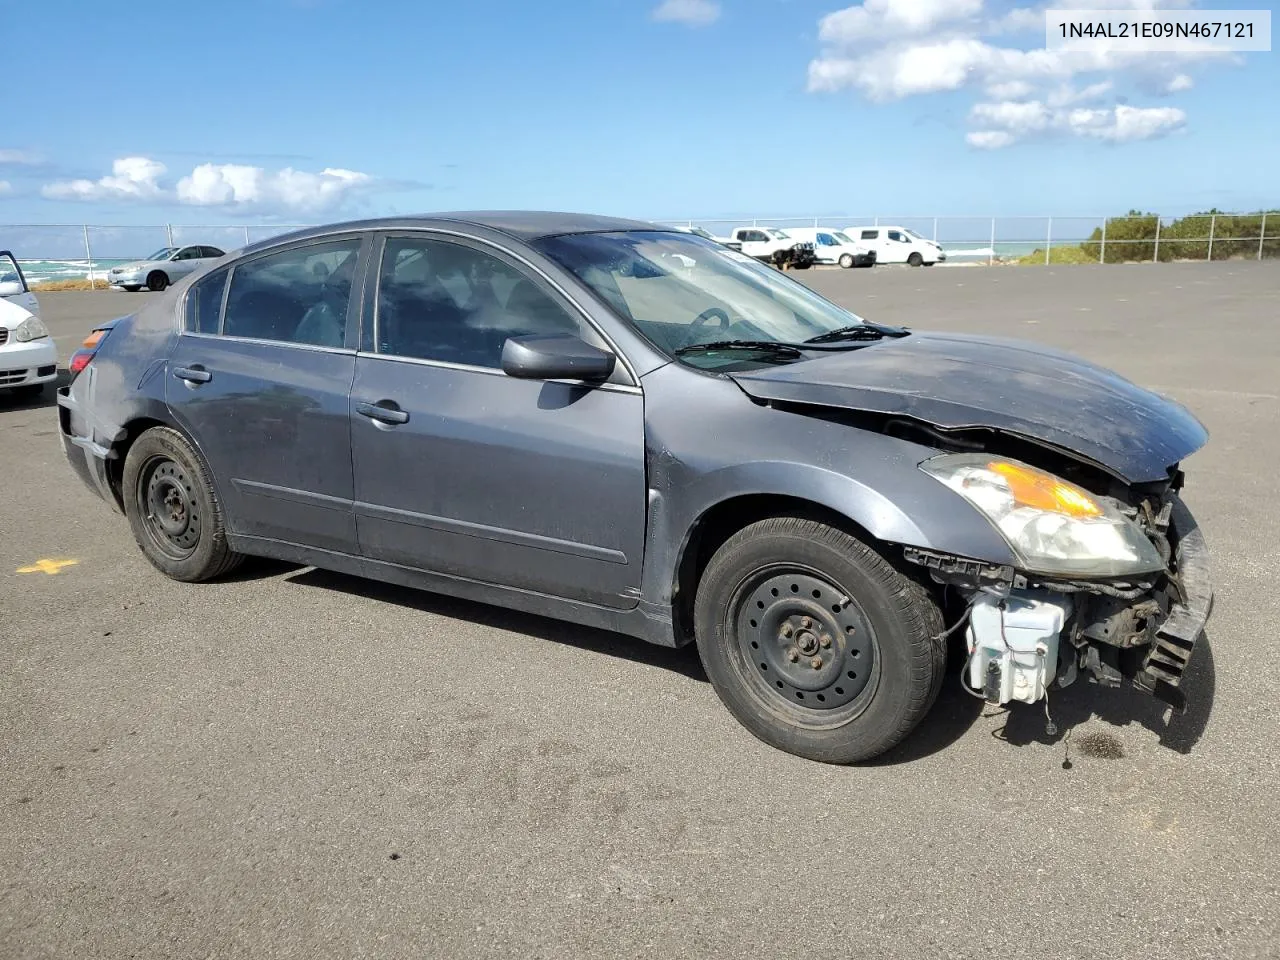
column 204, row 303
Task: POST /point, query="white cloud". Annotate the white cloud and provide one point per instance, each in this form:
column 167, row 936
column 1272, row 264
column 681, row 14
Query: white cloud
column 218, row 184
column 236, row 185
column 131, row 178
column 990, row 139
column 889, row 50
column 25, row 158
column 1004, row 124
column 695, row 13
column 5, row 187
column 884, row 19
column 1010, row 90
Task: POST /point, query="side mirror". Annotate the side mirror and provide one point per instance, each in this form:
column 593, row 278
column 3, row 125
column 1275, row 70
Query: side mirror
column 555, row 358
column 11, row 288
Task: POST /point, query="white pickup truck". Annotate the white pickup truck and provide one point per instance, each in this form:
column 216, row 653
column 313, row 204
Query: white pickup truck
column 775, row 246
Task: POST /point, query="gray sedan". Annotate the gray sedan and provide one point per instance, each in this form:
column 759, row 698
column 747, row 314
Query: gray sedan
column 163, row 267
column 632, row 427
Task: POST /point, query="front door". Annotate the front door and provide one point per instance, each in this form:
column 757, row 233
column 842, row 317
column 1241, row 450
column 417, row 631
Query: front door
column 263, row 386
column 464, row 471
column 13, row 284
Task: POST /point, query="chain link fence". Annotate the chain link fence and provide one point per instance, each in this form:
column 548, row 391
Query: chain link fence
column 52, row 252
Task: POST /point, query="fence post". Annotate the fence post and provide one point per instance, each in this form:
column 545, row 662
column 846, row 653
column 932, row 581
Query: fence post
column 935, row 229
column 876, row 222
column 1262, row 236
column 1048, row 242
column 1156, row 258
column 1213, row 224
column 246, row 235
column 88, row 255
column 991, row 257
column 168, row 234
column 1102, row 250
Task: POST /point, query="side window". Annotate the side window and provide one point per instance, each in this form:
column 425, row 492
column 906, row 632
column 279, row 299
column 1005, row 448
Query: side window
column 895, row 235
column 757, row 236
column 188, row 253
column 210, row 252
column 826, row 240
column 439, row 300
column 298, row 296
column 204, row 303
column 870, row 234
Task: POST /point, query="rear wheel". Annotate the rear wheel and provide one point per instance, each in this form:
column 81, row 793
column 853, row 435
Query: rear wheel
column 815, row 643
column 915, row 260
column 846, row 260
column 173, row 511
column 157, row 280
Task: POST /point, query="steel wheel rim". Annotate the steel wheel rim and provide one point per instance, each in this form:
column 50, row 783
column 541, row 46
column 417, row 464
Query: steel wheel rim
column 815, row 657
column 170, row 513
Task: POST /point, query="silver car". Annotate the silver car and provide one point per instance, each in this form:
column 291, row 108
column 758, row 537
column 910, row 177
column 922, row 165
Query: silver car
column 163, row 267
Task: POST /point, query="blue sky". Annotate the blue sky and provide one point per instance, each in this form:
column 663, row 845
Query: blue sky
column 307, row 110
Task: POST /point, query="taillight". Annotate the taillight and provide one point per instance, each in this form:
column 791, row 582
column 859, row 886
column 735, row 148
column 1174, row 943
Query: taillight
column 80, row 359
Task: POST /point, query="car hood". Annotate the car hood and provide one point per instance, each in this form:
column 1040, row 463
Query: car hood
column 136, row 265
column 953, row 382
column 12, row 315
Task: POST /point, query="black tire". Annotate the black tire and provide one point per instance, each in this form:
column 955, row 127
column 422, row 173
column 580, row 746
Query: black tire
column 882, row 641
column 188, row 541
column 846, row 261
column 915, row 260
column 132, row 287
column 157, row 280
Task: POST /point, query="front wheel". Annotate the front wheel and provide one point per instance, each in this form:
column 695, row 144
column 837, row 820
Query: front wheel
column 815, row 643
column 173, row 510
column 915, row 260
column 846, row 260
column 157, row 280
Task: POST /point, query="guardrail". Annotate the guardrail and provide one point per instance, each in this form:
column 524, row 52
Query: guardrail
column 67, row 251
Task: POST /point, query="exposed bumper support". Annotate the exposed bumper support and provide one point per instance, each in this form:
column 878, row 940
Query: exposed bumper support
column 1176, row 637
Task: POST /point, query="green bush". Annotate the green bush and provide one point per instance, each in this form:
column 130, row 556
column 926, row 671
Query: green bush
column 1133, row 238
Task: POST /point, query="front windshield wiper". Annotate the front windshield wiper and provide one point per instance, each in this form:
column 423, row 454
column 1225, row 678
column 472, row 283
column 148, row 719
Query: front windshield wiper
column 860, row 331
column 759, row 346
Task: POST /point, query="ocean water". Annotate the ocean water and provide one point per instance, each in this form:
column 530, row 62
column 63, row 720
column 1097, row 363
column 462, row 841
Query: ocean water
column 43, row 271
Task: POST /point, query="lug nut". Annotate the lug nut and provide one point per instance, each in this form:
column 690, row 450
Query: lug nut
column 826, row 641
column 816, row 663
column 786, row 630
column 806, row 622
column 792, row 655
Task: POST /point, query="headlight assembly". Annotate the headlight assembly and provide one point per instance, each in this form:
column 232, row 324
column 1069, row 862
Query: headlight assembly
column 1052, row 526
column 30, row 329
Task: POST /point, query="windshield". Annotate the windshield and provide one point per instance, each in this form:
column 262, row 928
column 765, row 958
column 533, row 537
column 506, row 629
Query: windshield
column 678, row 290
column 912, row 233
column 780, row 234
column 164, row 253
column 842, row 237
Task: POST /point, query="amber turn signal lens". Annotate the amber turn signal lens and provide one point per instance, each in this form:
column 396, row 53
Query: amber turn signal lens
column 92, row 339
column 1031, row 488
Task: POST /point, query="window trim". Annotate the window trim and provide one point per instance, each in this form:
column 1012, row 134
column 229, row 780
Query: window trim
column 364, row 240
column 557, row 293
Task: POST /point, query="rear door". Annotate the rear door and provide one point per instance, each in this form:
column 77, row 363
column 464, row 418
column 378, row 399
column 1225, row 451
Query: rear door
column 13, row 284
column 261, row 378
column 464, row 471
column 185, row 261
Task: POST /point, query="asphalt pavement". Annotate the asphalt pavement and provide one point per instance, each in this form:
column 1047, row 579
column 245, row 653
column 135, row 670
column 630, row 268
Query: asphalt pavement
column 299, row 764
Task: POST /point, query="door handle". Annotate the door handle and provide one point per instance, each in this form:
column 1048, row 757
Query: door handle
column 193, row 374
column 384, row 411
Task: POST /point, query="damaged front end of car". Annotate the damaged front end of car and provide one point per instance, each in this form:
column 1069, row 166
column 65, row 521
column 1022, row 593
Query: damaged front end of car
column 1112, row 586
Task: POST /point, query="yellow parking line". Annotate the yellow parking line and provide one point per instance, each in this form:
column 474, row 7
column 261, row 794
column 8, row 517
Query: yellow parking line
column 50, row 567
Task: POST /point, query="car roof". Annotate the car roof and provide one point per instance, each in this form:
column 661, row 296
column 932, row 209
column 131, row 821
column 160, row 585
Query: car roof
column 522, row 225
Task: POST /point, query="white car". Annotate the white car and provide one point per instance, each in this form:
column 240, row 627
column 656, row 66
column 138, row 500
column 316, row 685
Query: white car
column 13, row 284
column 28, row 355
column 835, row 246
column 898, row 245
column 163, row 267
column 708, row 235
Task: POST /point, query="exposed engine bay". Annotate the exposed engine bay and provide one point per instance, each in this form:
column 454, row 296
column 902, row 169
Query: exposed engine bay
column 1027, row 635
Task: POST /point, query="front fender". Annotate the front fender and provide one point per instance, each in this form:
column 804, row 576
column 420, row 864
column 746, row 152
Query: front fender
column 732, row 448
